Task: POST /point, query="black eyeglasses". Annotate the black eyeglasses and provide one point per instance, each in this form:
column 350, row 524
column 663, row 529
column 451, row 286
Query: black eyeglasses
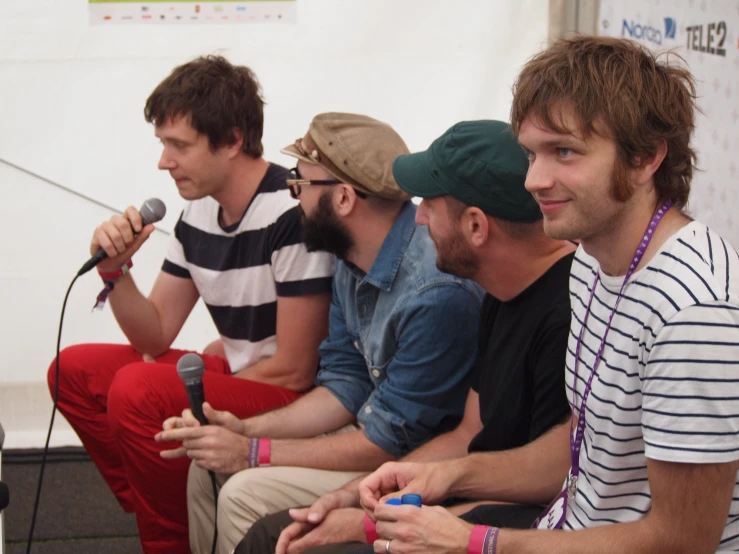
column 295, row 183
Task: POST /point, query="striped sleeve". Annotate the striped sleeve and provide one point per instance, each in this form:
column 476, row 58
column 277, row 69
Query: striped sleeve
column 174, row 261
column 296, row 271
column 690, row 411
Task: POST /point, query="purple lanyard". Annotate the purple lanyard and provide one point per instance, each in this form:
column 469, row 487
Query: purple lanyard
column 556, row 513
column 576, row 438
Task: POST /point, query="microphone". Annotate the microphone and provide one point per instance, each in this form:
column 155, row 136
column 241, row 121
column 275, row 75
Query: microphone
column 4, row 496
column 152, row 210
column 190, row 368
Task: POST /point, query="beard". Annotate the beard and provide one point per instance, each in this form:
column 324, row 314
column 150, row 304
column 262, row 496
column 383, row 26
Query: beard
column 454, row 256
column 579, row 222
column 324, row 231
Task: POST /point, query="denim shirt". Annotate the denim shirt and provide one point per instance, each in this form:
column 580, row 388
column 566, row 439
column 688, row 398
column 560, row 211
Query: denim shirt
column 402, row 341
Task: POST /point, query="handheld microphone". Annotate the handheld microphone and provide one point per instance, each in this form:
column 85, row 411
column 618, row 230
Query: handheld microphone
column 4, row 496
column 190, row 368
column 152, row 210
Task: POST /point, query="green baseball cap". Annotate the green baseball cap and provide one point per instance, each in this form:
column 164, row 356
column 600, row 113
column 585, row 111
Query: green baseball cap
column 480, row 163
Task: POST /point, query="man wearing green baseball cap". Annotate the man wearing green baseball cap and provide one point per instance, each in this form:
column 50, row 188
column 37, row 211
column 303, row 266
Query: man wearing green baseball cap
column 488, row 228
column 471, row 180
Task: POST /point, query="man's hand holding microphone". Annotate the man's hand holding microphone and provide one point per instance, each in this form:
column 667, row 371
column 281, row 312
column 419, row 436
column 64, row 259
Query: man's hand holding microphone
column 115, row 241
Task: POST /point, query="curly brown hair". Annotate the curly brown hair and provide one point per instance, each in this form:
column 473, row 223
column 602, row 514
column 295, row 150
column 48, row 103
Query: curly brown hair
column 217, row 97
column 623, row 90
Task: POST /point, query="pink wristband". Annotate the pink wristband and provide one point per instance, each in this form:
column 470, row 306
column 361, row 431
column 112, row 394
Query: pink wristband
column 264, row 452
column 370, row 529
column 477, row 539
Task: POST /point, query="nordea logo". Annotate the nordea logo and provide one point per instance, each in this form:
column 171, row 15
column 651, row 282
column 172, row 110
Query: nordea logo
column 646, row 32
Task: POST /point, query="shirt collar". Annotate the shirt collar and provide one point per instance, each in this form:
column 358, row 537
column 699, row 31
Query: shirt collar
column 383, row 270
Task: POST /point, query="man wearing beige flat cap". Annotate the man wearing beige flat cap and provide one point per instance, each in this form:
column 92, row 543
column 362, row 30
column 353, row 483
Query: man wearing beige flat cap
column 394, row 370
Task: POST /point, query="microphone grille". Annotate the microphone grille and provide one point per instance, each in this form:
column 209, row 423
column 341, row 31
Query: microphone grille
column 153, row 210
column 190, row 368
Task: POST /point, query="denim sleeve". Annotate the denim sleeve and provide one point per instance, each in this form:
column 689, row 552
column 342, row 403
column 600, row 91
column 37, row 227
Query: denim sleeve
column 426, row 383
column 343, row 369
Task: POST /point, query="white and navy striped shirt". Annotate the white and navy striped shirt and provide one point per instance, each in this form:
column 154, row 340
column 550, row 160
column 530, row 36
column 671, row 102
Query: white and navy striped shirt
column 240, row 270
column 667, row 386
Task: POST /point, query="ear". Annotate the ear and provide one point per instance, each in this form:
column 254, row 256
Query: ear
column 344, row 199
column 475, row 226
column 645, row 168
column 234, row 146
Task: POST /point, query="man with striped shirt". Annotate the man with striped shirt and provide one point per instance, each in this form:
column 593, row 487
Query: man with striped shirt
column 238, row 246
column 649, row 461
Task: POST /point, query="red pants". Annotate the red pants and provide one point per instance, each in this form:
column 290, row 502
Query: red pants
column 117, row 403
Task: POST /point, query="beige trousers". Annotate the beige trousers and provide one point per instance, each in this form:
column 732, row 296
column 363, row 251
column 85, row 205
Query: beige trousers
column 248, row 496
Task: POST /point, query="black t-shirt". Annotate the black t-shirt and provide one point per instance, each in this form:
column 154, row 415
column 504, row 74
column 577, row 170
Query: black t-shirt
column 520, row 368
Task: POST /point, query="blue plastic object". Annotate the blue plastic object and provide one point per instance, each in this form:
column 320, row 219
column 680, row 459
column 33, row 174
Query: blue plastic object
column 414, row 499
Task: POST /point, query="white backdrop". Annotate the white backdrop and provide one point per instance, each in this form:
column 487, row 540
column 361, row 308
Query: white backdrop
column 71, row 101
column 701, row 28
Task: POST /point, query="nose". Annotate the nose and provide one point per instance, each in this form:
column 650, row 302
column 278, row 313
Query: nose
column 422, row 213
column 165, row 162
column 539, row 177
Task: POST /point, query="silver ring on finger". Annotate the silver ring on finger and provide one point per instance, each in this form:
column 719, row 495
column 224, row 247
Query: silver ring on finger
column 387, row 547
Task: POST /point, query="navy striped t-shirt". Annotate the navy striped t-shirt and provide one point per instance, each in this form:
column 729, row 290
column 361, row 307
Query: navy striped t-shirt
column 667, row 386
column 240, row 270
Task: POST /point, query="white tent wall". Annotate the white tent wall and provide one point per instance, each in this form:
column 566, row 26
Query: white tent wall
column 71, row 99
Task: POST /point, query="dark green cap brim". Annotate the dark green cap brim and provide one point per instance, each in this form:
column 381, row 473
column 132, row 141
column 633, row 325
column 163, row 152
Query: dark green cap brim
column 414, row 173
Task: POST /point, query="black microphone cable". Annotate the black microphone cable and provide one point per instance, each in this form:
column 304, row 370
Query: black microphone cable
column 152, row 210
column 215, row 502
column 51, row 423
column 4, row 496
column 34, row 514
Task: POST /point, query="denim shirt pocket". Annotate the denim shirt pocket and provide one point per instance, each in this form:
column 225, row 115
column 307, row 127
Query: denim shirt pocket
column 377, row 370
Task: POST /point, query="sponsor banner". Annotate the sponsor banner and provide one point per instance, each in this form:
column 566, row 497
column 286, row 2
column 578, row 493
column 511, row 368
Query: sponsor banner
column 191, row 11
column 706, row 35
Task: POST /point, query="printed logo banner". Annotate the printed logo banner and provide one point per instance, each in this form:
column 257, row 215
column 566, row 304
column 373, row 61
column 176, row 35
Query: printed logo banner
column 192, row 11
column 706, row 35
